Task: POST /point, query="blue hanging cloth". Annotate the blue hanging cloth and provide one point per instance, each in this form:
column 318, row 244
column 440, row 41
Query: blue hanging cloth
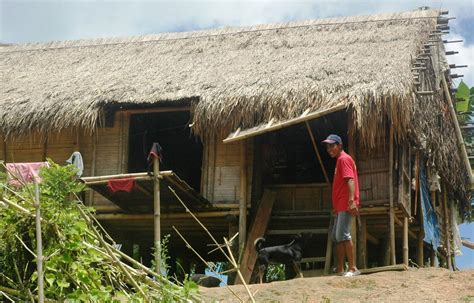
column 430, row 219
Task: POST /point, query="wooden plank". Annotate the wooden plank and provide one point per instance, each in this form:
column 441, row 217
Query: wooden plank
column 264, row 128
column 243, row 198
column 397, row 267
column 258, row 228
column 316, row 231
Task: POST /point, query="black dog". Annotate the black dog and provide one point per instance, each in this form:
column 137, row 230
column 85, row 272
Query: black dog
column 287, row 254
column 205, row 280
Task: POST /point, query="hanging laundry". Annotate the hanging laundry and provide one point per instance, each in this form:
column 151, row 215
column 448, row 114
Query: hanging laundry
column 125, row 185
column 76, row 160
column 22, row 173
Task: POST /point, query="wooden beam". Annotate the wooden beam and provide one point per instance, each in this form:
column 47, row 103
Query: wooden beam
column 315, row 147
column 329, row 247
column 398, row 267
column 446, row 228
column 157, row 212
column 155, row 110
column 362, row 261
column 392, row 202
column 106, row 178
column 261, row 129
column 45, row 148
column 165, row 216
column 243, row 198
column 93, row 165
column 468, row 244
column 316, row 231
column 405, row 241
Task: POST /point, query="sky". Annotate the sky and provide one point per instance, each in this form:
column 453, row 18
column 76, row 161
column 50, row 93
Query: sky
column 24, row 21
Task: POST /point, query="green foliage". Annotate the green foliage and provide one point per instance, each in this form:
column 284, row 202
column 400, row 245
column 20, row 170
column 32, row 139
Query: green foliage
column 76, row 268
column 275, row 272
column 462, row 98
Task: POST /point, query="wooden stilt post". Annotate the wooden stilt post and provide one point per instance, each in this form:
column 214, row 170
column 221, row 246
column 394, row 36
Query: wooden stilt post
column 354, row 239
column 243, row 198
column 405, row 241
column 432, row 257
column 93, row 165
column 39, row 245
column 157, row 212
column 327, row 262
column 392, row 206
column 446, row 229
column 45, row 148
column 362, row 262
column 421, row 236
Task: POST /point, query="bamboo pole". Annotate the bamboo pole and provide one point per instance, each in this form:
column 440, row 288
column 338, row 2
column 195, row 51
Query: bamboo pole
column 392, row 207
column 363, row 244
column 421, row 236
column 165, row 216
column 405, row 241
column 327, row 262
column 243, row 198
column 157, row 213
column 93, row 165
column 112, row 255
column 417, row 181
column 39, row 245
column 462, row 145
column 446, row 228
column 106, row 178
column 315, row 146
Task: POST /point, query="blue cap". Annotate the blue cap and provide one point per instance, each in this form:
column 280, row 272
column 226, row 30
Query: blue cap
column 331, row 139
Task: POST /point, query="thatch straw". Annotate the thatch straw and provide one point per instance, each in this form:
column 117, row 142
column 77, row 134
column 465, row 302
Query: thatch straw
column 233, row 77
column 242, row 76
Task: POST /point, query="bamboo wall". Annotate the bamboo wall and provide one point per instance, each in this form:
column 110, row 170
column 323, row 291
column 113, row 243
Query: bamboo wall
column 221, row 171
column 221, row 164
column 373, row 168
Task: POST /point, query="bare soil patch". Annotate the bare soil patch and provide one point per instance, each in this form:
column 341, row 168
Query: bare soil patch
column 414, row 285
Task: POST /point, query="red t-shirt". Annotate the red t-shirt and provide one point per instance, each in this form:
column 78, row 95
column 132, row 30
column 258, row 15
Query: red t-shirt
column 345, row 168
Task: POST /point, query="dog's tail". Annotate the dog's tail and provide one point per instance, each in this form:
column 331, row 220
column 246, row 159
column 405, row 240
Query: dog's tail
column 258, row 243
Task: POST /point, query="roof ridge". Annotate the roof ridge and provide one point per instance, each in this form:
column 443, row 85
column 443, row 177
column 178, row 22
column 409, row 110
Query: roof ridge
column 230, row 30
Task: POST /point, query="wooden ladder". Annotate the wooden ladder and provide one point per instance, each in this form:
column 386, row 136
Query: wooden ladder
column 259, row 226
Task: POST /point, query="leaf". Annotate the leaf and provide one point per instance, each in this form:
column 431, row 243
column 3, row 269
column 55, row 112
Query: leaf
column 50, row 278
column 462, row 97
column 63, row 283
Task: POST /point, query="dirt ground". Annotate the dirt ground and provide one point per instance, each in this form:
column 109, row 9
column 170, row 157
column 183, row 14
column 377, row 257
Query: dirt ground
column 414, row 285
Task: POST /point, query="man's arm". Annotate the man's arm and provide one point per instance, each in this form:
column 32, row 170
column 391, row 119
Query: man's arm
column 351, row 188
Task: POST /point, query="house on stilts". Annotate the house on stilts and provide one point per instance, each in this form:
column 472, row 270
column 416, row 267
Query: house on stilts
column 239, row 114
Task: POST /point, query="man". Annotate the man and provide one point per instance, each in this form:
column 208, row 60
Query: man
column 345, row 201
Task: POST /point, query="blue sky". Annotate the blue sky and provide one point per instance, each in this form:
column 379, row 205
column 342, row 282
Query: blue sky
column 39, row 21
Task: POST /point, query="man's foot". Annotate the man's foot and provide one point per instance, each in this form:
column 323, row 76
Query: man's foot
column 352, row 273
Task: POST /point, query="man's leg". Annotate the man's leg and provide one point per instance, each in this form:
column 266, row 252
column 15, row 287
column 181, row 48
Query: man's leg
column 340, row 252
column 350, row 255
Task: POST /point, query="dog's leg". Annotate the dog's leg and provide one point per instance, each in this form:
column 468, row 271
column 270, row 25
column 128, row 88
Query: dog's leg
column 297, row 268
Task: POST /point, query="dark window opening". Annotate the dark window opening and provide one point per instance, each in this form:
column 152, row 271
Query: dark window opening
column 288, row 154
column 182, row 152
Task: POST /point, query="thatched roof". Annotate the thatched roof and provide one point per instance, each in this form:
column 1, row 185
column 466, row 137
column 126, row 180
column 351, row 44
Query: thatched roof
column 234, row 77
column 240, row 75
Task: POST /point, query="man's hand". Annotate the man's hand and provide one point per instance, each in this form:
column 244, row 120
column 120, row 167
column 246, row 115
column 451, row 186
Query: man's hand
column 353, row 210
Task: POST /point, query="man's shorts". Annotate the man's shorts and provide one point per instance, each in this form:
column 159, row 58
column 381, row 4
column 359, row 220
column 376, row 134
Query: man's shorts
column 341, row 230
